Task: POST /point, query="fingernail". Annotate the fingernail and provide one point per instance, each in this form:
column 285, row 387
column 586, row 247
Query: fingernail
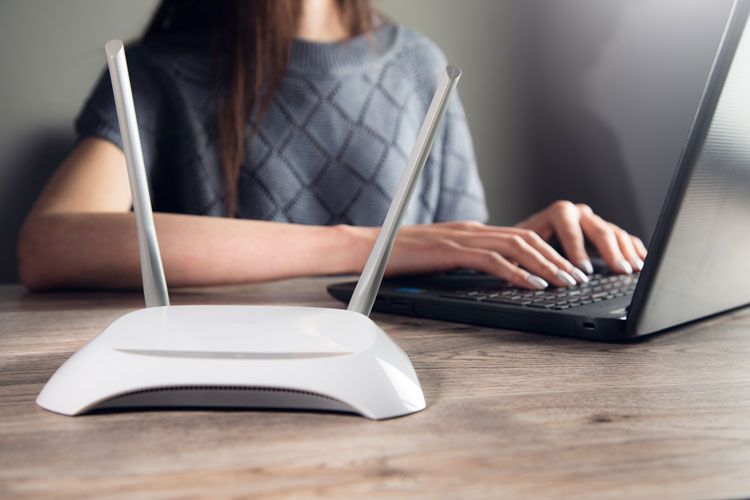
column 624, row 266
column 563, row 276
column 578, row 275
column 637, row 264
column 537, row 282
column 586, row 266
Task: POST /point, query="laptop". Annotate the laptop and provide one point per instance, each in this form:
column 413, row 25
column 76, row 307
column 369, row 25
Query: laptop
column 698, row 263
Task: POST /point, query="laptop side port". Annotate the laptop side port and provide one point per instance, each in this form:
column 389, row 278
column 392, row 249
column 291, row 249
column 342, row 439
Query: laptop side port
column 589, row 325
column 401, row 305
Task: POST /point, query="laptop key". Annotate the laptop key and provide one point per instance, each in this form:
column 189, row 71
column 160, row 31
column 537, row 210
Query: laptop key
column 473, row 298
column 500, row 300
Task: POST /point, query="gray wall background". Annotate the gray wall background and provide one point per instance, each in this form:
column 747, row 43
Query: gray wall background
column 588, row 100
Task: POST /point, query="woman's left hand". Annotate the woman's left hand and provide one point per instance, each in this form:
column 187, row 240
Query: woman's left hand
column 573, row 224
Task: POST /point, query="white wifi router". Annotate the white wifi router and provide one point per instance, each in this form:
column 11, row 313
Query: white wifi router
column 244, row 356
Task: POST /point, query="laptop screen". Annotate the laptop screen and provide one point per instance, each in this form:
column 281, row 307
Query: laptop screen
column 698, row 263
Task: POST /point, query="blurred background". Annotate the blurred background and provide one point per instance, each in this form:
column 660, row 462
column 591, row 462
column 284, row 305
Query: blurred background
column 587, row 100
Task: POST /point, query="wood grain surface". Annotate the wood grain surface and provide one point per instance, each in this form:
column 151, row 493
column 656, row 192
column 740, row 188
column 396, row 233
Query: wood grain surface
column 509, row 414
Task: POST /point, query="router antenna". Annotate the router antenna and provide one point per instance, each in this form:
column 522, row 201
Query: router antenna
column 369, row 281
column 152, row 272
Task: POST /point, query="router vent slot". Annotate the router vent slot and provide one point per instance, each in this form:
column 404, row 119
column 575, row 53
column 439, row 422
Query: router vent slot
column 217, row 396
column 223, row 388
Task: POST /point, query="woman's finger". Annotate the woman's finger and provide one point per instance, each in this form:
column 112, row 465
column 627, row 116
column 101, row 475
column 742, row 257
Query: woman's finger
column 531, row 251
column 514, row 247
column 493, row 263
column 640, row 248
column 552, row 255
column 539, row 224
column 566, row 221
column 604, row 239
column 627, row 248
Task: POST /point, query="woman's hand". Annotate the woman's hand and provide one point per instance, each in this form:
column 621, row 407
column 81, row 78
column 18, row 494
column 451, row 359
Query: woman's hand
column 517, row 255
column 573, row 223
column 521, row 255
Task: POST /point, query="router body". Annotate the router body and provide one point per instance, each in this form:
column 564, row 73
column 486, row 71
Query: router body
column 238, row 356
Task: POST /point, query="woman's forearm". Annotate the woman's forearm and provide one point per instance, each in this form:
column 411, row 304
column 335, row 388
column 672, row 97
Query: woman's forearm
column 100, row 250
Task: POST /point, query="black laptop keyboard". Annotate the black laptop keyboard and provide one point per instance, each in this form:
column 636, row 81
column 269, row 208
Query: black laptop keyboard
column 600, row 287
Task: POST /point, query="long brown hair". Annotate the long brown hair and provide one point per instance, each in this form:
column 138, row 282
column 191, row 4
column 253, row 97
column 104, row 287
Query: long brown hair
column 256, row 38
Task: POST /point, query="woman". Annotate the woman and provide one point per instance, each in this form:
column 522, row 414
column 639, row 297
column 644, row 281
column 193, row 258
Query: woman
column 289, row 122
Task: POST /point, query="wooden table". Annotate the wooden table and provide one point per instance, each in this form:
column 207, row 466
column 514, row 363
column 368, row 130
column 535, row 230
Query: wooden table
column 509, row 414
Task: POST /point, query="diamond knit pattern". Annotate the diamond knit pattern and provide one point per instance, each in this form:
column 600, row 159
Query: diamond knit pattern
column 330, row 149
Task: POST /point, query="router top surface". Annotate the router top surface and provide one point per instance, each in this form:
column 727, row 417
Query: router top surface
column 260, row 332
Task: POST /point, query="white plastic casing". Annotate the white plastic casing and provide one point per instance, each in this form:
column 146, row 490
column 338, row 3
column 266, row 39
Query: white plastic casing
column 238, row 356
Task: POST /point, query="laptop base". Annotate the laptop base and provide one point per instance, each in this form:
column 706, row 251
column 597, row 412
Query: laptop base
column 424, row 296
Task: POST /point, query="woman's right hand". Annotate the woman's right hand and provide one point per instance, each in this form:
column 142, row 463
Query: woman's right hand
column 519, row 256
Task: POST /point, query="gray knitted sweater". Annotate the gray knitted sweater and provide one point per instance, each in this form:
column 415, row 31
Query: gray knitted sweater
column 330, row 149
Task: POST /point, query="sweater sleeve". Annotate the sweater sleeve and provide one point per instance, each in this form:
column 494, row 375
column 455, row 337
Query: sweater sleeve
column 98, row 117
column 461, row 192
